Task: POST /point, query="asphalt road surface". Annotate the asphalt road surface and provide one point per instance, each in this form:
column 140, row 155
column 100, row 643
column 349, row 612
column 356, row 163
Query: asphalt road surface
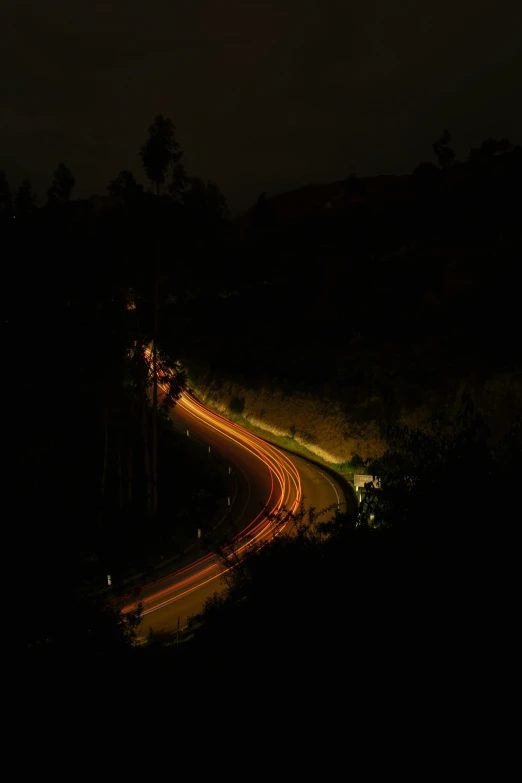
column 266, row 484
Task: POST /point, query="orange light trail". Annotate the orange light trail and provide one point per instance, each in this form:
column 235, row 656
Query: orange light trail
column 283, row 501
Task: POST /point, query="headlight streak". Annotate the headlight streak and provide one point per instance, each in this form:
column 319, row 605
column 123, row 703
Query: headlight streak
column 283, row 502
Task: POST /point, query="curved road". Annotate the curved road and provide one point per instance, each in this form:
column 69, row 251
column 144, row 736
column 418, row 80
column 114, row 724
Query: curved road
column 267, row 486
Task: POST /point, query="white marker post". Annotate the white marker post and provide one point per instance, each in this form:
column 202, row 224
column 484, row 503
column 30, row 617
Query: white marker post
column 199, row 532
column 109, row 581
column 229, row 471
column 187, row 433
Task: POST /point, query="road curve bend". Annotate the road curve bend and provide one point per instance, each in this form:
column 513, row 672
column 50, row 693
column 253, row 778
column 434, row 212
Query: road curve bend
column 270, row 486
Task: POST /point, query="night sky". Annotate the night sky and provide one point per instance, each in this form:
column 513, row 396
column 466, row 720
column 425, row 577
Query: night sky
column 265, row 95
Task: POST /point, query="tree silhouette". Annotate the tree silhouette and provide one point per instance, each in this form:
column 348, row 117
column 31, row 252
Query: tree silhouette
column 178, row 181
column 443, row 153
column 489, row 148
column 206, row 199
column 125, row 186
column 161, row 155
column 63, row 184
column 25, row 200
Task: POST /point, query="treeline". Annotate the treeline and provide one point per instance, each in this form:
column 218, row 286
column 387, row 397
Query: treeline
column 92, row 347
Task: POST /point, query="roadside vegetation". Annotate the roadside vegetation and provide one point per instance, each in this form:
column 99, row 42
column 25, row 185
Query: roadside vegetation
column 401, row 608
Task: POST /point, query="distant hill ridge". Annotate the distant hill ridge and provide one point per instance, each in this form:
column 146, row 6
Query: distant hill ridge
column 313, row 199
